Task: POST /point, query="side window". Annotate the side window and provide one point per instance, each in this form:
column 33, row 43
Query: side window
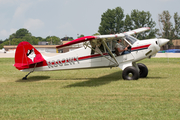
column 93, row 45
column 123, row 43
column 97, row 46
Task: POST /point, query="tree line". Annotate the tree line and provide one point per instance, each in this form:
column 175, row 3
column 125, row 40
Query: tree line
column 24, row 35
column 114, row 21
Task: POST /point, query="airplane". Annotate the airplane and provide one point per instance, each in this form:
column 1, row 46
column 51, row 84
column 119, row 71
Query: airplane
column 2, row 50
column 97, row 52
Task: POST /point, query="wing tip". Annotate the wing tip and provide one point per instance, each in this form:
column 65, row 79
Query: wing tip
column 147, row 28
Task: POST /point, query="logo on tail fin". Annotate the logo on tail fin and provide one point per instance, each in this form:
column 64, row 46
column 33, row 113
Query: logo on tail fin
column 31, row 55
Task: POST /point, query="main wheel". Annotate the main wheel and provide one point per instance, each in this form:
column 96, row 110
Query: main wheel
column 130, row 73
column 143, row 70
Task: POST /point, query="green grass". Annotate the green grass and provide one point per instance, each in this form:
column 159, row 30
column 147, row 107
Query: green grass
column 92, row 93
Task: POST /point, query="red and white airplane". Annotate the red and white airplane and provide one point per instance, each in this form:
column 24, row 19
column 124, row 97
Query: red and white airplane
column 97, row 52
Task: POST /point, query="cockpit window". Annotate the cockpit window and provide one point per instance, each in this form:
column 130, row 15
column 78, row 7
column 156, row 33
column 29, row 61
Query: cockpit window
column 130, row 39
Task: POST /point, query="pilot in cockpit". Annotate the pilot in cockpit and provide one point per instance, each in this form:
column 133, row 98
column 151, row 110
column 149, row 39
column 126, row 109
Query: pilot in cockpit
column 120, row 49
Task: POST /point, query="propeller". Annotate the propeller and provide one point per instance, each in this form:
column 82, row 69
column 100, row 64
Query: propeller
column 162, row 42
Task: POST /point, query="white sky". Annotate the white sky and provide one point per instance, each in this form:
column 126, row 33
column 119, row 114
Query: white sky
column 70, row 17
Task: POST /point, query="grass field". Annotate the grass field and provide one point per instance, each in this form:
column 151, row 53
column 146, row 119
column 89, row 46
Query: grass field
column 92, row 93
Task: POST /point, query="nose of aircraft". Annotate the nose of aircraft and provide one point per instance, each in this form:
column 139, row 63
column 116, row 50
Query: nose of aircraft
column 163, row 42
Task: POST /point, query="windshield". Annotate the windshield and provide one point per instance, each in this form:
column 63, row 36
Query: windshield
column 130, row 39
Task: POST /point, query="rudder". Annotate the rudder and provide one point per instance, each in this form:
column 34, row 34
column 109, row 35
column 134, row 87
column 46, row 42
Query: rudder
column 26, row 56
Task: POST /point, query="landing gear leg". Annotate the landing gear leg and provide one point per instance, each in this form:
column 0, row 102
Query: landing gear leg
column 25, row 78
column 136, row 66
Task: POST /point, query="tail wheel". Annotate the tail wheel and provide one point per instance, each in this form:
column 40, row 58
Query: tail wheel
column 143, row 70
column 130, row 73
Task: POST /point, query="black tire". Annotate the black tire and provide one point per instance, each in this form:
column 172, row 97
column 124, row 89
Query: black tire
column 130, row 70
column 143, row 70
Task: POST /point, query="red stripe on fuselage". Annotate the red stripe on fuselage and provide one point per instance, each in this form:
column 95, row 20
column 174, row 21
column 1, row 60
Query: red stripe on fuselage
column 140, row 47
column 91, row 56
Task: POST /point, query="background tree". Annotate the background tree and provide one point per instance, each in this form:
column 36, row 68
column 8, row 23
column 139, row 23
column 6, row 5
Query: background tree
column 21, row 33
column 53, row 40
column 128, row 23
column 66, row 38
column 167, row 30
column 5, row 42
column 70, row 38
column 112, row 21
column 142, row 19
column 177, row 26
column 80, row 36
column 1, row 41
column 96, row 34
column 11, row 38
column 40, row 39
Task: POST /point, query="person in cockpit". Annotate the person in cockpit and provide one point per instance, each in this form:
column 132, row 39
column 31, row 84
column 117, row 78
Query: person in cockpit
column 120, row 49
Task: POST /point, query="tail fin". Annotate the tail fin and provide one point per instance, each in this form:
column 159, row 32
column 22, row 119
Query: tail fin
column 27, row 56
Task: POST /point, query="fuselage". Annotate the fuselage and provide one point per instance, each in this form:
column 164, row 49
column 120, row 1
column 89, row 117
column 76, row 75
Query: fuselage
column 83, row 58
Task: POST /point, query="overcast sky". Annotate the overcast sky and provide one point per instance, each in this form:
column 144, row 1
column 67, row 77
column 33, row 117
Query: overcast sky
column 70, row 17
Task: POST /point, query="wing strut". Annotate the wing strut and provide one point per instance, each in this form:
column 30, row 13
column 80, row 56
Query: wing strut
column 116, row 63
column 110, row 53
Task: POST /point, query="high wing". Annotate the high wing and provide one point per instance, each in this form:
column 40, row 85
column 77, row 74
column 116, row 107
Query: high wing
column 102, row 38
column 89, row 38
column 79, row 40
